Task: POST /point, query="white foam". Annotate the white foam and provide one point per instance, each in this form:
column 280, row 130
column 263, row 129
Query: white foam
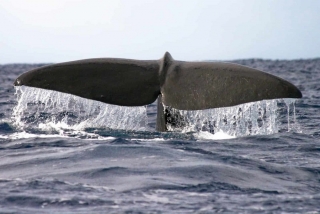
column 220, row 135
column 23, row 135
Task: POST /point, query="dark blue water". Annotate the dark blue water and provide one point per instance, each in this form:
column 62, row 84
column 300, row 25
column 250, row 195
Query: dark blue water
column 101, row 170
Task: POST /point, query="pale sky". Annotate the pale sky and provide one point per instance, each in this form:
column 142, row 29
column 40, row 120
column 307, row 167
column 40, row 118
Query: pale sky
column 41, row 31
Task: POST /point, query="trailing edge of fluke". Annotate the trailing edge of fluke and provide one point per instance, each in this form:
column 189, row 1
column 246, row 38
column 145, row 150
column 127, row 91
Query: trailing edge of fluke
column 178, row 84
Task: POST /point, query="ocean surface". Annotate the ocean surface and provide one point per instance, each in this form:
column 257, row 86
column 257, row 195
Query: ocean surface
column 64, row 154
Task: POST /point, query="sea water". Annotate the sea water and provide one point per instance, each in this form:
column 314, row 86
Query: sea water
column 64, row 154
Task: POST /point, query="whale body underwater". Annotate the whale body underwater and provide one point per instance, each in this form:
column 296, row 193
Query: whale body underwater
column 178, row 84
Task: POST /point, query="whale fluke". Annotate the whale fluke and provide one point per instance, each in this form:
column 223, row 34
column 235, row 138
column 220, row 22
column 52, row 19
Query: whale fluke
column 114, row 81
column 181, row 85
column 203, row 85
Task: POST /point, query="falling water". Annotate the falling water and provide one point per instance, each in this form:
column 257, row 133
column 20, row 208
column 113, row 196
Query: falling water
column 255, row 118
column 291, row 115
column 43, row 109
column 51, row 110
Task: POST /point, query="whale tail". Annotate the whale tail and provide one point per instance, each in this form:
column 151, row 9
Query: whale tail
column 181, row 85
